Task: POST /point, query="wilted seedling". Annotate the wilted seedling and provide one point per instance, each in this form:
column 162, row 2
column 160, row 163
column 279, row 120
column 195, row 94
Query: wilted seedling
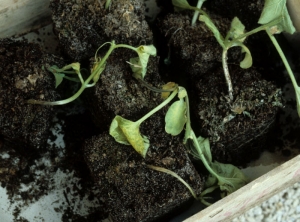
column 127, row 132
column 139, row 67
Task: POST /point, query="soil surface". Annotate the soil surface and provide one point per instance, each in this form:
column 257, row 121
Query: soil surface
column 237, row 129
column 192, row 51
column 23, row 76
column 132, row 191
column 118, row 93
column 83, row 26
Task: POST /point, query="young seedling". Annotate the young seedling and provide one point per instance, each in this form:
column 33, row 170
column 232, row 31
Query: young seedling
column 138, row 65
column 236, row 29
column 224, row 176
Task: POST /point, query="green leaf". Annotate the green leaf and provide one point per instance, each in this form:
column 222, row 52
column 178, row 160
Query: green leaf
column 276, row 9
column 205, row 148
column 247, row 61
column 181, row 4
column 58, row 78
column 144, row 52
column 230, row 178
column 176, row 118
column 236, row 29
column 182, row 93
column 127, row 132
column 214, row 29
column 136, row 67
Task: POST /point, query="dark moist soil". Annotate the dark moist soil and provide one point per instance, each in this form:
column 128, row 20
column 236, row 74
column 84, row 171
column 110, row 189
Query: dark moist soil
column 132, row 191
column 83, row 26
column 192, row 51
column 242, row 138
column 118, row 93
column 23, row 77
column 37, row 172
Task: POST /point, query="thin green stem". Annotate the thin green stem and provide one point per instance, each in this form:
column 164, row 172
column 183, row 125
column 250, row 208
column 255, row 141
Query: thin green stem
column 283, row 58
column 201, row 155
column 188, row 126
column 258, row 29
column 83, row 86
column 164, row 103
column 196, row 13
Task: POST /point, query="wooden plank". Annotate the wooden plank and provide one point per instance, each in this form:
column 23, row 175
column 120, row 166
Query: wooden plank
column 252, row 194
column 21, row 16
column 294, row 11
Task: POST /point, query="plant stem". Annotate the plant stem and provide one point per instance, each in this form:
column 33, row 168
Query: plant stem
column 196, row 13
column 258, row 29
column 174, row 93
column 201, row 155
column 226, row 73
column 188, row 127
column 154, row 89
column 283, row 58
column 83, row 86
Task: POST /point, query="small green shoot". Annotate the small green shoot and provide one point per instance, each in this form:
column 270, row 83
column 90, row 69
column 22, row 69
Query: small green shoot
column 99, row 66
column 225, row 176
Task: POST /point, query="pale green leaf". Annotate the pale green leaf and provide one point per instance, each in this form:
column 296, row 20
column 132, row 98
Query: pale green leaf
column 205, row 148
column 214, row 29
column 176, row 118
column 247, row 61
column 144, row 52
column 276, row 9
column 181, row 4
column 127, row 132
column 58, row 78
column 237, row 28
column 116, row 132
column 136, row 67
column 75, row 66
column 182, row 92
column 230, row 178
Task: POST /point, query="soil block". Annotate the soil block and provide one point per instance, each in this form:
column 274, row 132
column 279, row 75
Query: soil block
column 83, row 25
column 237, row 129
column 132, row 191
column 192, row 50
column 24, row 77
column 119, row 93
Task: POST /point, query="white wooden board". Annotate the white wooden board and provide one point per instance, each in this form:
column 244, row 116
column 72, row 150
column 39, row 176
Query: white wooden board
column 21, row 16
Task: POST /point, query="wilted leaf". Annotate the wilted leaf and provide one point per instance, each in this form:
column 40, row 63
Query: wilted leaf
column 182, row 92
column 176, row 118
column 167, row 86
column 181, row 4
column 127, row 132
column 247, row 61
column 144, row 52
column 237, row 28
column 214, row 29
column 276, row 9
column 58, row 78
column 205, row 148
column 230, row 178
